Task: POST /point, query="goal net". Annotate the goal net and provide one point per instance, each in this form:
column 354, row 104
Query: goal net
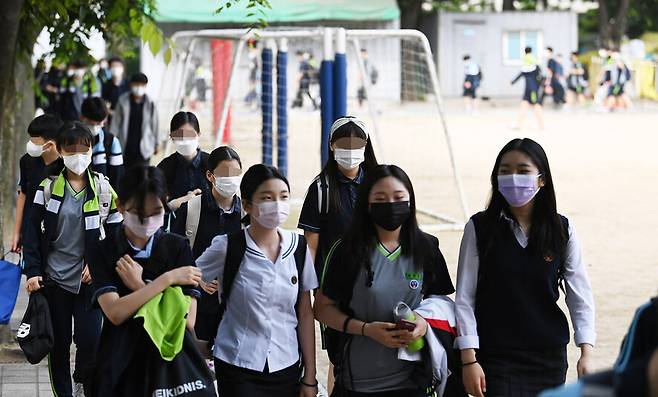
column 262, row 93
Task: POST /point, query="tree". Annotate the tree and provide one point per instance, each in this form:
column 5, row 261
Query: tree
column 612, row 29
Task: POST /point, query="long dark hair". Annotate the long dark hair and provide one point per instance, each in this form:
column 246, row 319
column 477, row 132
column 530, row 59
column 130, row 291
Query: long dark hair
column 361, row 237
column 331, row 168
column 181, row 118
column 253, row 178
column 547, row 234
column 222, row 153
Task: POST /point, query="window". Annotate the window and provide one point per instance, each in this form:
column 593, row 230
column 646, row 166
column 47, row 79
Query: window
column 515, row 42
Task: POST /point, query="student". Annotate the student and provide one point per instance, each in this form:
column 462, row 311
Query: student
column 616, row 77
column 209, row 215
column 74, row 88
column 135, row 123
column 130, row 267
column 532, row 92
column 576, row 81
column 185, row 170
column 266, row 274
column 371, row 74
column 472, row 78
column 383, row 259
column 40, row 161
column 304, row 78
column 74, row 210
column 107, row 158
column 329, row 203
column 512, row 259
column 117, row 85
column 553, row 77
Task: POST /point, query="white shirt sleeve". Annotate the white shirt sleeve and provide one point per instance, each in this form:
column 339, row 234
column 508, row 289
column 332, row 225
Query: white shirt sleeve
column 467, row 277
column 211, row 262
column 309, row 278
column 579, row 298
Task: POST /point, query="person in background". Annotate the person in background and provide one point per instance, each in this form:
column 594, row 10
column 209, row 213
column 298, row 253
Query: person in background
column 78, row 85
column 215, row 214
column 50, row 86
column 107, row 158
column 185, row 170
column 513, row 258
column 40, row 161
column 304, row 80
column 532, row 95
column 135, row 123
column 116, row 85
column 103, row 73
column 472, row 77
column 576, row 81
column 554, row 72
column 65, row 222
column 370, row 73
column 251, row 99
column 616, row 78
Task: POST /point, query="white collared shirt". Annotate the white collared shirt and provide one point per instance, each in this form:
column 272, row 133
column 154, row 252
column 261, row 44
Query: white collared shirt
column 579, row 298
column 260, row 323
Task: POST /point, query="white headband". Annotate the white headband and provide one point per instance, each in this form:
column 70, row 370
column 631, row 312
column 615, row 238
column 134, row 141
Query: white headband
column 347, row 119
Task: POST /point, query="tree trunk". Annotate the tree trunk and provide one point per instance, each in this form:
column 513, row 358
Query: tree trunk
column 621, row 23
column 508, row 5
column 9, row 25
column 605, row 37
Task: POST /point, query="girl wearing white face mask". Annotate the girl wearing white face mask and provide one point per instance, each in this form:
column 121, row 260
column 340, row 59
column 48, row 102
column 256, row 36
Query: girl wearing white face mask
column 207, row 216
column 65, row 222
column 185, row 170
column 266, row 275
column 514, row 257
column 330, row 200
column 130, row 267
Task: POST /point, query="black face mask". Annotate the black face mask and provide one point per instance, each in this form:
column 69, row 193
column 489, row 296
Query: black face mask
column 390, row 216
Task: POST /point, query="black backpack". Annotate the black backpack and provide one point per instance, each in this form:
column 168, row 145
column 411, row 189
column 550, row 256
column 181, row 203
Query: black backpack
column 35, row 334
column 235, row 250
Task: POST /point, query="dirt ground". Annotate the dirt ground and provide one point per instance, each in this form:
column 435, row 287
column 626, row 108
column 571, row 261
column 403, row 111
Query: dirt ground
column 605, row 169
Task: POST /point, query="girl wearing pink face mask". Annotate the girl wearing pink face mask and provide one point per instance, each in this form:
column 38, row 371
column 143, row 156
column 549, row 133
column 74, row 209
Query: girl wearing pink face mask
column 515, row 257
column 266, row 275
column 129, row 268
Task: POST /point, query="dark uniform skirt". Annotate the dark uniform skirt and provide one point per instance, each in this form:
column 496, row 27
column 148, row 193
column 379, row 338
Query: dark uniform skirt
column 519, row 373
column 234, row 381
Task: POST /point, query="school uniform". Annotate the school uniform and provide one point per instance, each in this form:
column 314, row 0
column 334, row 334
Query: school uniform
column 107, row 158
column 33, row 170
column 257, row 350
column 126, row 348
column 72, row 95
column 213, row 221
column 507, row 306
column 319, row 217
column 367, row 367
column 556, row 73
column 532, row 77
column 577, row 82
column 184, row 176
column 471, row 75
column 617, row 78
column 58, row 253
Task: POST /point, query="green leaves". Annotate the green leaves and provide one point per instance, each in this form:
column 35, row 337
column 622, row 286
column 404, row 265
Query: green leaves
column 253, row 8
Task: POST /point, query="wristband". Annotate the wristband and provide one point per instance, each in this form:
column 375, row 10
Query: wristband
column 346, row 323
column 309, row 385
column 469, row 364
column 363, row 329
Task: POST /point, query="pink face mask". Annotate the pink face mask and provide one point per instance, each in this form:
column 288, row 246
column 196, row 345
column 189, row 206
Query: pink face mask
column 144, row 229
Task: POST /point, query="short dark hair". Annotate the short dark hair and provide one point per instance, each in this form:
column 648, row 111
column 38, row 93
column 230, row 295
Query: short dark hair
column 74, row 132
column 549, row 49
column 182, row 118
column 255, row 176
column 466, row 57
column 140, row 181
column 139, row 78
column 94, row 108
column 222, row 153
column 45, row 126
column 528, row 50
column 575, row 53
column 115, row 60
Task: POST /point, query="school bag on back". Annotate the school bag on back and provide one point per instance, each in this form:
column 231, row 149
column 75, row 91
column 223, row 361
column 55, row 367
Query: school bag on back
column 35, row 333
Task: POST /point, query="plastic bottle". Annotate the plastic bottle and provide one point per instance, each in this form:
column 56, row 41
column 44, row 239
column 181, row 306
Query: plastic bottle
column 403, row 312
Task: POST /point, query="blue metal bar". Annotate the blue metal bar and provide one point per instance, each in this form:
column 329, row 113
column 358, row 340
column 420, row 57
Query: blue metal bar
column 340, row 86
column 282, row 110
column 326, row 106
column 266, row 103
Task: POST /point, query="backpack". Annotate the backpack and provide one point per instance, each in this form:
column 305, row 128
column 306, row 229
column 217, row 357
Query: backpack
column 192, row 220
column 103, row 191
column 235, row 250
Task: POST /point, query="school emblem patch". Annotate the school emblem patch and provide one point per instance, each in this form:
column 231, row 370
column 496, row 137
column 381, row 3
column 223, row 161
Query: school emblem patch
column 414, row 284
column 293, row 280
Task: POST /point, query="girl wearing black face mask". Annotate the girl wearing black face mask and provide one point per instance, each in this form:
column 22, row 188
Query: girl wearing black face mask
column 383, row 259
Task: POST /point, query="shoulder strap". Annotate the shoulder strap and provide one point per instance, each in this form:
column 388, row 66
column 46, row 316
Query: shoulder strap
column 235, row 249
column 48, row 190
column 104, row 193
column 108, row 140
column 300, row 260
column 192, row 220
column 323, row 194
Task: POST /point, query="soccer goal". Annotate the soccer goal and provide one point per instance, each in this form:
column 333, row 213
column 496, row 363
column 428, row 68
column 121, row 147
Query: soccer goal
column 273, row 94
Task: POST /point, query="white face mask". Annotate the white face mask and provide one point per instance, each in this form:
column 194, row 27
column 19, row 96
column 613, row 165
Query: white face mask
column 187, row 146
column 77, row 163
column 349, row 158
column 79, row 73
column 117, row 72
column 95, row 129
column 227, row 186
column 70, row 72
column 138, row 90
column 33, row 149
column 272, row 214
column 144, row 229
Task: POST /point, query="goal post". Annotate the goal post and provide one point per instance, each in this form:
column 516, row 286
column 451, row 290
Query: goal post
column 386, row 77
